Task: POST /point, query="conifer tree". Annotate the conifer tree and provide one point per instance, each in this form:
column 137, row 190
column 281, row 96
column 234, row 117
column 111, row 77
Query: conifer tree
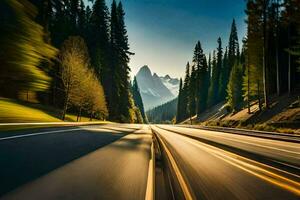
column 234, row 87
column 223, row 78
column 98, row 42
column 179, row 104
column 121, row 103
column 185, row 92
column 210, row 99
column 192, row 91
column 138, row 99
column 215, row 79
column 200, row 63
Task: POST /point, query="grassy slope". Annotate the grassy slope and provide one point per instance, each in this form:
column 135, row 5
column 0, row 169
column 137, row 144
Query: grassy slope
column 283, row 116
column 14, row 111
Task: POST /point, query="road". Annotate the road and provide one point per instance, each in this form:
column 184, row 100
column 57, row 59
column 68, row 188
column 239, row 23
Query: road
column 208, row 172
column 115, row 161
column 90, row 162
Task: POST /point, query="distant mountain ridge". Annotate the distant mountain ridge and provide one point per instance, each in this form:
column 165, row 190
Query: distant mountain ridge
column 156, row 90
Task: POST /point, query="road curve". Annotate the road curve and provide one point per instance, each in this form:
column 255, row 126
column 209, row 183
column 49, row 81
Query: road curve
column 213, row 173
column 94, row 162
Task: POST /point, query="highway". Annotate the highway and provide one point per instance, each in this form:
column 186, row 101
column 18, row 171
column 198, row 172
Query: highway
column 117, row 161
column 208, row 172
column 90, row 162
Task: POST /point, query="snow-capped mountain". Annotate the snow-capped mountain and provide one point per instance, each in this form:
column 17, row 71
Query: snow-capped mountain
column 171, row 83
column 156, row 90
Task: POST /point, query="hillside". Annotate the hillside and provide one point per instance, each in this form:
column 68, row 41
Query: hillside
column 283, row 116
column 19, row 111
column 164, row 113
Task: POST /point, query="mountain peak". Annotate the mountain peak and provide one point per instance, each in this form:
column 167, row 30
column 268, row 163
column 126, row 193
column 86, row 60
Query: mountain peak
column 167, row 77
column 155, row 75
column 153, row 91
column 144, row 71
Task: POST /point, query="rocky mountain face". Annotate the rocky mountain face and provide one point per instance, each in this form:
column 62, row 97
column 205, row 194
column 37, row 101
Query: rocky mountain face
column 156, row 90
column 171, row 83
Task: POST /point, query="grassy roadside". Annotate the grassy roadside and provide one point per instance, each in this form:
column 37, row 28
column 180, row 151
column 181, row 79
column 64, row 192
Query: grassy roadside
column 12, row 111
column 259, row 127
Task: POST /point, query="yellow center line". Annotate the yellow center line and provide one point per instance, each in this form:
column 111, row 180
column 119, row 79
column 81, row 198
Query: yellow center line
column 187, row 193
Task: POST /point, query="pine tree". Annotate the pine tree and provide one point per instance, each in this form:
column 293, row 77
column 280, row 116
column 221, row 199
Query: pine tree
column 215, row 79
column 179, row 104
column 192, row 91
column 202, row 78
column 210, row 99
column 98, row 43
column 234, row 87
column 223, row 78
column 138, row 99
column 120, row 70
column 185, row 93
column 233, row 52
column 209, row 67
column 254, row 55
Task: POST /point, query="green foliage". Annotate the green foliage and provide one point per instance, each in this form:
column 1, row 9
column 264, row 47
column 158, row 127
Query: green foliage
column 23, row 49
column 179, row 114
column 138, row 100
column 202, row 77
column 234, row 87
column 81, row 86
column 215, row 86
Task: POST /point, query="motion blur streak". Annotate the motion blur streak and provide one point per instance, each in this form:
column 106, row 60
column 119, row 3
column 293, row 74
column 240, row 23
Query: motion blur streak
column 251, row 167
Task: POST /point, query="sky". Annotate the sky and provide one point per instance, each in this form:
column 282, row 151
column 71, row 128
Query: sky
column 163, row 33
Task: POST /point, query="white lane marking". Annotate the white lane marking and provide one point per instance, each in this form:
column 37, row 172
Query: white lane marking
column 40, row 133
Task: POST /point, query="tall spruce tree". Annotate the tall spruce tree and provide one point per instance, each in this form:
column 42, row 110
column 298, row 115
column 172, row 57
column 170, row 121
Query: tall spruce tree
column 223, row 78
column 234, row 87
column 185, row 93
column 192, row 92
column 180, row 111
column 202, row 78
column 215, row 79
column 121, row 102
column 98, row 43
column 210, row 98
column 138, row 99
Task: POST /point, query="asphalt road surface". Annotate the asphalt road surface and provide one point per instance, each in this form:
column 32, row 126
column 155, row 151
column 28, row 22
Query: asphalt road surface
column 114, row 162
column 90, row 162
column 213, row 173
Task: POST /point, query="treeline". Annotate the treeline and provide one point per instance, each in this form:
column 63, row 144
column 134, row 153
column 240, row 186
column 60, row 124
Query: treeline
column 266, row 64
column 165, row 113
column 62, row 52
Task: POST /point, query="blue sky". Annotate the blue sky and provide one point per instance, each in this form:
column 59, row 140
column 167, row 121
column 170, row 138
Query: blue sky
column 163, row 33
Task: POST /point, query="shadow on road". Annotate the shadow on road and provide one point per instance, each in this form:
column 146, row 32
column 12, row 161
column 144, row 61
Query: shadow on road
column 25, row 159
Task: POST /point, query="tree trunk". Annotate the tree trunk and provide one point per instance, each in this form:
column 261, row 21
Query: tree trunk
column 65, row 108
column 289, row 61
column 258, row 94
column 79, row 114
column 91, row 116
column 248, row 84
column 264, row 54
column 277, row 52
